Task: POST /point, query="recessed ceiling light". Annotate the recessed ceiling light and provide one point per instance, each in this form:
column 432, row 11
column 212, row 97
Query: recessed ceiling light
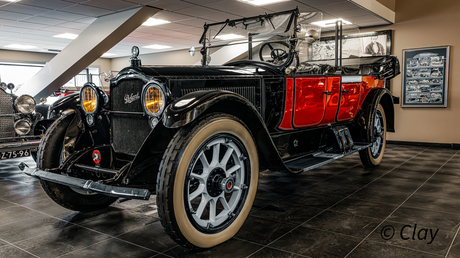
column 229, row 36
column 108, row 54
column 154, row 22
column 12, row 1
column 262, row 2
column 19, row 46
column 157, row 46
column 330, row 23
column 66, row 36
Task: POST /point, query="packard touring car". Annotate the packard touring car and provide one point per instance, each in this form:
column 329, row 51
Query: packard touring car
column 197, row 136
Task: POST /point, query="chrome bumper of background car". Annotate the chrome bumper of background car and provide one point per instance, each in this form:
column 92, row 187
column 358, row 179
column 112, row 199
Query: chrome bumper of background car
column 14, row 146
column 88, row 185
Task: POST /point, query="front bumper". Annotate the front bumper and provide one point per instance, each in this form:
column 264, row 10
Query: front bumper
column 88, row 185
column 12, row 144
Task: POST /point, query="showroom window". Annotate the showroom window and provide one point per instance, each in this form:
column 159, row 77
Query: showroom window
column 20, row 73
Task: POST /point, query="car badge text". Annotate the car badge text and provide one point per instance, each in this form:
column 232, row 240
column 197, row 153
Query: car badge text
column 131, row 98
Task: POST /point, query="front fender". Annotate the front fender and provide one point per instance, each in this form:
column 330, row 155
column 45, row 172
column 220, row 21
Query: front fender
column 199, row 103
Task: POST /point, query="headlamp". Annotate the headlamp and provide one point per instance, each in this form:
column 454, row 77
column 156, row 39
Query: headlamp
column 153, row 99
column 92, row 99
column 25, row 104
column 22, row 127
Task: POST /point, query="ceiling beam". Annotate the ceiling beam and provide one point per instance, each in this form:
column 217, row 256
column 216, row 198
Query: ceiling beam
column 377, row 8
column 104, row 33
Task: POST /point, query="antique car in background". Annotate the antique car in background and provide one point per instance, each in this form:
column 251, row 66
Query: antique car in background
column 20, row 133
column 197, row 136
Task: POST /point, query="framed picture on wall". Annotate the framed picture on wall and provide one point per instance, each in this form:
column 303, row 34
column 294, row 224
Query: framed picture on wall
column 425, row 77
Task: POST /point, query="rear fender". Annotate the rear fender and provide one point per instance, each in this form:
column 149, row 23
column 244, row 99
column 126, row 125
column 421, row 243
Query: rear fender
column 362, row 123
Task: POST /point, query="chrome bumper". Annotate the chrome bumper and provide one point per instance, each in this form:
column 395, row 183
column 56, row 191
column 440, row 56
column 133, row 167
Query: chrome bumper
column 13, row 146
column 88, row 185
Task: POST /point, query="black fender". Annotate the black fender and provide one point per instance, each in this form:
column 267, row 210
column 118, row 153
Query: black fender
column 189, row 107
column 364, row 118
column 53, row 112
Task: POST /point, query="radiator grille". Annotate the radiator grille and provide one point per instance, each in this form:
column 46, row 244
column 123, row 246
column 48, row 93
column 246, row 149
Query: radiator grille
column 128, row 131
column 248, row 92
column 6, row 122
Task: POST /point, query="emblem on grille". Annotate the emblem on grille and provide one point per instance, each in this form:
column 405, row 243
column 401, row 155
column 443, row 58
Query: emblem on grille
column 131, row 98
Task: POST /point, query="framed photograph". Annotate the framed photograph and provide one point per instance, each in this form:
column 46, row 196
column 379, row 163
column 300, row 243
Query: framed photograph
column 375, row 43
column 425, row 77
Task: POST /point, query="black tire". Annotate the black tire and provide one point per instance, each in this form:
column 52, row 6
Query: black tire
column 372, row 156
column 174, row 183
column 50, row 152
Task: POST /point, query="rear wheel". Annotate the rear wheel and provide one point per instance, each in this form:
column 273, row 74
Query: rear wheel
column 52, row 153
column 208, row 181
column 373, row 155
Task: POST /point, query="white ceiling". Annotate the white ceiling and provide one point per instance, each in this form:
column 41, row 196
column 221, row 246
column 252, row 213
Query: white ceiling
column 34, row 22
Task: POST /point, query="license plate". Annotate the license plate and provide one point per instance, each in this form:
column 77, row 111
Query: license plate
column 14, row 154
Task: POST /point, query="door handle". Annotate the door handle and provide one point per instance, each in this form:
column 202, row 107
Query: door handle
column 345, row 91
column 328, row 92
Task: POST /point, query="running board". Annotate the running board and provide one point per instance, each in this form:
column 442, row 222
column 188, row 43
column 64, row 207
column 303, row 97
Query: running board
column 320, row 158
column 90, row 186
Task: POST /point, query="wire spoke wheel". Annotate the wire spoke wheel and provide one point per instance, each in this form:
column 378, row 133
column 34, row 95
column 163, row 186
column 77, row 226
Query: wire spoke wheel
column 373, row 155
column 378, row 131
column 216, row 182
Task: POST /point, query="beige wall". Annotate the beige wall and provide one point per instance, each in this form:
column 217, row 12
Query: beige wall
column 390, row 4
column 428, row 23
column 105, row 64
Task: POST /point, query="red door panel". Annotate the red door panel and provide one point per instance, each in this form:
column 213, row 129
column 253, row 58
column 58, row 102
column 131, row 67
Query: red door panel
column 286, row 123
column 332, row 100
column 349, row 103
column 309, row 101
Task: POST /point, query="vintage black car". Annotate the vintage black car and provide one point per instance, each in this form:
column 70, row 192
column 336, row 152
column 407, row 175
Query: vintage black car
column 19, row 133
column 197, row 136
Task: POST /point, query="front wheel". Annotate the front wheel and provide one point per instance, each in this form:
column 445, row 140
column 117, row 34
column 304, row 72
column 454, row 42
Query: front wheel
column 372, row 156
column 208, row 181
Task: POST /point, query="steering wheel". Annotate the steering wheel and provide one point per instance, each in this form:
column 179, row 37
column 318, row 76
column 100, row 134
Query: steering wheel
column 276, row 52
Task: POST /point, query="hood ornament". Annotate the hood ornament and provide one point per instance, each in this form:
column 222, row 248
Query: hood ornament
column 135, row 62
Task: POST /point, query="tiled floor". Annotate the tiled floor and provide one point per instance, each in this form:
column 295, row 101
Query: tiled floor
column 338, row 210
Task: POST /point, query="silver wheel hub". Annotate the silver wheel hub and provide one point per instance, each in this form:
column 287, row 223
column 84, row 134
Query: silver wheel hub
column 378, row 135
column 216, row 183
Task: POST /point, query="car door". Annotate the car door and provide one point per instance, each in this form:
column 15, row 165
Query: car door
column 350, row 97
column 309, row 101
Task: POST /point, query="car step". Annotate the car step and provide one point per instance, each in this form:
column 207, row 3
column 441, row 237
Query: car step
column 320, row 158
column 89, row 185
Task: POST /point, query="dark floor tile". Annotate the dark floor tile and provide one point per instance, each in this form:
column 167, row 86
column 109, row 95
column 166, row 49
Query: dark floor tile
column 316, row 243
column 421, row 238
column 364, row 208
column 438, row 190
column 372, row 249
column 115, row 223
column 112, row 248
column 455, row 249
column 16, row 213
column 268, row 252
column 30, row 228
column 380, row 195
column 232, row 248
column 425, row 218
column 313, row 199
column 62, row 241
column 347, row 224
column 284, row 212
column 151, row 236
column 5, row 204
column 433, row 203
column 263, row 231
column 49, row 207
column 11, row 251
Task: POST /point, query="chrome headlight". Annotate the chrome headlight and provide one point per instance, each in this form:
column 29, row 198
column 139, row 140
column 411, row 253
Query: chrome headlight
column 22, row 127
column 153, row 99
column 90, row 98
column 25, row 104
